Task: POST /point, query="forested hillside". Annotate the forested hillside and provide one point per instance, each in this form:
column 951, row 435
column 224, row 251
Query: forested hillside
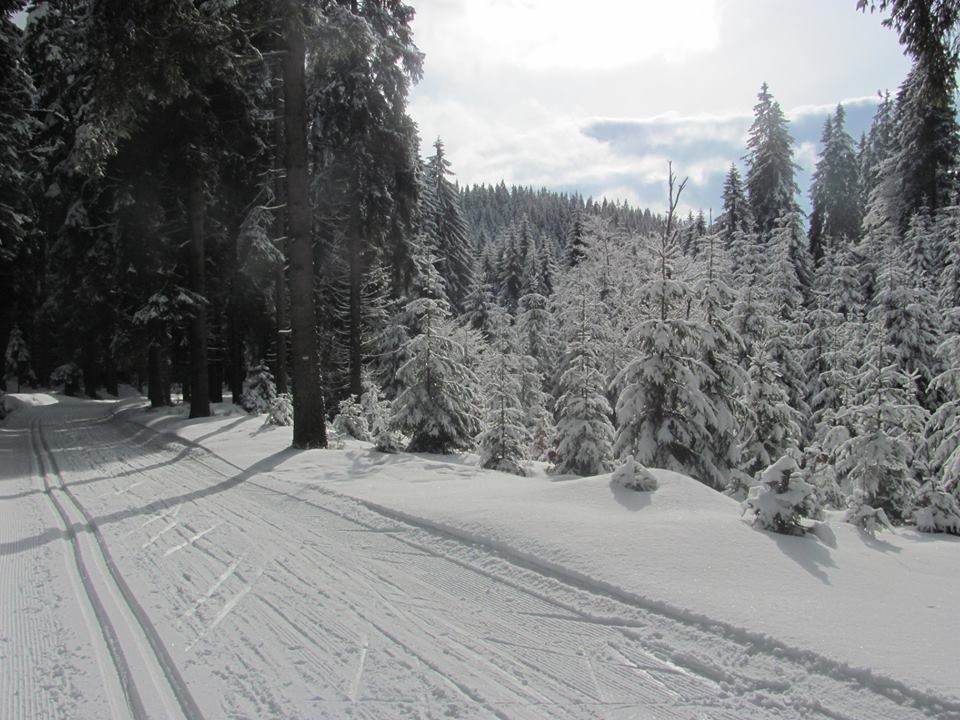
column 199, row 197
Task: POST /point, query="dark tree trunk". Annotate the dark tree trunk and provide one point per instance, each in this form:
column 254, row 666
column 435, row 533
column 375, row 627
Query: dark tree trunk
column 158, row 376
column 235, row 349
column 215, row 356
column 309, row 424
column 199, row 388
column 280, row 375
column 279, row 231
column 355, row 348
column 110, row 380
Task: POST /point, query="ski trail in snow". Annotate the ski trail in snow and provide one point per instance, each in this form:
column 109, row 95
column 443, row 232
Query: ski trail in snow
column 146, row 670
column 190, row 541
column 227, row 607
column 593, row 676
column 361, row 663
column 213, row 588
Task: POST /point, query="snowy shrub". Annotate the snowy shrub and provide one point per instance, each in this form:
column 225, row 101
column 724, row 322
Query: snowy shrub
column 350, row 420
column 863, row 515
column 70, row 376
column 375, row 408
column 280, row 411
column 388, row 441
column 937, row 511
column 781, row 498
column 17, row 358
column 259, row 390
column 634, row 476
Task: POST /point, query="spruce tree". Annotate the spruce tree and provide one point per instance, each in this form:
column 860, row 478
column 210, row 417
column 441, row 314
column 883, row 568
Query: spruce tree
column 835, row 189
column 438, row 405
column 772, row 427
column 505, row 440
column 736, row 208
column 451, row 245
column 584, row 430
column 885, row 424
column 17, row 358
column 726, row 382
column 664, row 418
column 770, row 181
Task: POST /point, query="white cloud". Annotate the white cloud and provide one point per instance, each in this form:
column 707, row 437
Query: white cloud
column 568, row 34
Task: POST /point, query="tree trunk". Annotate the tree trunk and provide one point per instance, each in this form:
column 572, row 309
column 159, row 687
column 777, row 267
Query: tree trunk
column 158, row 376
column 356, row 315
column 309, row 424
column 279, row 231
column 199, row 382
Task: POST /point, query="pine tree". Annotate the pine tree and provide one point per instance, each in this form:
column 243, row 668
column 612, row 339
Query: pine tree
column 885, row 424
column 452, row 246
column 835, row 189
column 772, row 427
column 726, row 382
column 505, row 440
column 664, row 419
column 736, row 208
column 17, row 357
column 537, row 331
column 908, row 316
column 17, row 127
column 942, row 433
column 583, row 411
column 438, row 404
column 781, row 499
column 259, row 390
column 770, row 168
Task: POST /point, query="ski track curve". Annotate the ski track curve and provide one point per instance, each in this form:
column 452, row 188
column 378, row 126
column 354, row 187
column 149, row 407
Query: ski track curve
column 288, row 600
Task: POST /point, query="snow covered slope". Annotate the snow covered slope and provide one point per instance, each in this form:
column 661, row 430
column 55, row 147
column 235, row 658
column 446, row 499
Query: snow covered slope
column 884, row 609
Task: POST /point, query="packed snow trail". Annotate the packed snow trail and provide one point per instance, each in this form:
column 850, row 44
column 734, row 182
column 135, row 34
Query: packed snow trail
column 275, row 599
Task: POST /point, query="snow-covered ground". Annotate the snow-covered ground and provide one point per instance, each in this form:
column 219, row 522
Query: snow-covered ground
column 152, row 566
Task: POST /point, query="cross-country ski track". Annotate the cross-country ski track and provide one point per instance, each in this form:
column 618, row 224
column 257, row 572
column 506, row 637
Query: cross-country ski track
column 146, row 577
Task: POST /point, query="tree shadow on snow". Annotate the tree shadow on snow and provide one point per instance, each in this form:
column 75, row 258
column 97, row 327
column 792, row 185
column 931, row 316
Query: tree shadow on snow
column 808, row 552
column 630, row 499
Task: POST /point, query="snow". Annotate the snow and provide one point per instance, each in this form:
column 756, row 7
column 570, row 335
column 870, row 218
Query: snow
column 886, row 606
column 244, row 579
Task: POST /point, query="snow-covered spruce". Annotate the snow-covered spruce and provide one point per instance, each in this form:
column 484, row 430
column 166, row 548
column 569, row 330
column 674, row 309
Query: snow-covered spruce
column 280, row 411
column 885, row 425
column 781, row 499
column 584, row 430
column 438, row 405
column 937, row 511
column 772, row 426
column 259, row 390
column 664, row 417
column 350, row 420
column 633, row 476
column 504, row 441
column 17, row 358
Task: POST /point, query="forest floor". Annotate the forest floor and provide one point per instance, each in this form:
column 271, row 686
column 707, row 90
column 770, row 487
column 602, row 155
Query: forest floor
column 157, row 567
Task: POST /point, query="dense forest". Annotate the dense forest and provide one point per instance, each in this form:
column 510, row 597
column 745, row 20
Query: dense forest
column 199, row 196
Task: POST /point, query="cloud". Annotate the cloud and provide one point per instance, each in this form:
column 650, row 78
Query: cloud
column 567, row 34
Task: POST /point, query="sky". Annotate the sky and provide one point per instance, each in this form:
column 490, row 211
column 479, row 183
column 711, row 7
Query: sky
column 597, row 97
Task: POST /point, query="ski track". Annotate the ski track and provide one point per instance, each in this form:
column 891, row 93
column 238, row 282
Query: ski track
column 305, row 603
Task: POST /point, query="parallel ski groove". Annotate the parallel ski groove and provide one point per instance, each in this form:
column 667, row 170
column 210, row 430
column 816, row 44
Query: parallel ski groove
column 159, row 651
column 110, row 638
